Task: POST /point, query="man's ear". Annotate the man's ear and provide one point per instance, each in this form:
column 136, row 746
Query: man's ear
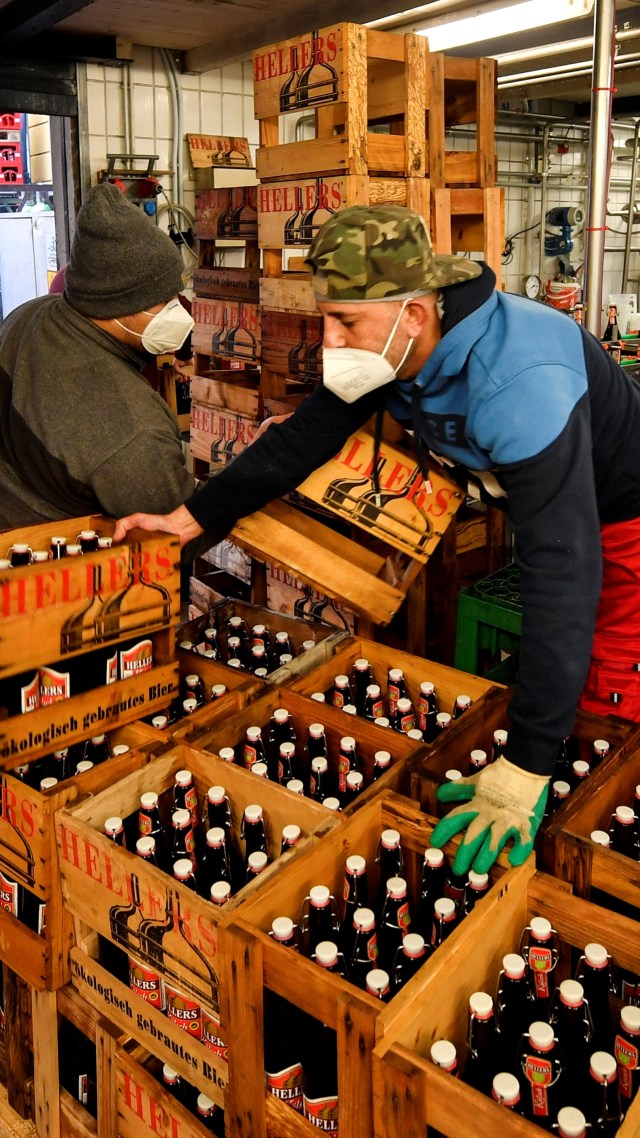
column 420, row 313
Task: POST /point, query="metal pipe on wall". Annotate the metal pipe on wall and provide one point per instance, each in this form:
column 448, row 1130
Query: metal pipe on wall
column 601, row 100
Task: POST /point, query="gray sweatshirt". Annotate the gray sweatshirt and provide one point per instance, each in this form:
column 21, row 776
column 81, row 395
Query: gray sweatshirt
column 81, row 430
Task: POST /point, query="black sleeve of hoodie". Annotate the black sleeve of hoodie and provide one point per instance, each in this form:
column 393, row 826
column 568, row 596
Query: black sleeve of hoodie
column 554, row 516
column 280, row 459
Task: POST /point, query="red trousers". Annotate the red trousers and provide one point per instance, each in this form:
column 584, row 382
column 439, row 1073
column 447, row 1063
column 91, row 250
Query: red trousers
column 613, row 681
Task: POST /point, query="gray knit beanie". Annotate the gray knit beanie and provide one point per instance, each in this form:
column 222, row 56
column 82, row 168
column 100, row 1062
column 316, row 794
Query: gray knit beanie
column 120, row 263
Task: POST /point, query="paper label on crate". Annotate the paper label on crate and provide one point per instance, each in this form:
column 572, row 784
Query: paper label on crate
column 136, row 659
column 185, row 1012
column 540, row 963
column 146, row 983
column 9, row 893
column 211, row 1036
column 30, row 694
column 209, row 150
column 627, row 1059
column 54, row 686
column 539, row 1073
column 287, row 1085
column 322, row 1112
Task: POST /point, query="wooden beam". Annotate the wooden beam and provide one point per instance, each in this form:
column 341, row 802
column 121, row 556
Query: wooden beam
column 22, row 19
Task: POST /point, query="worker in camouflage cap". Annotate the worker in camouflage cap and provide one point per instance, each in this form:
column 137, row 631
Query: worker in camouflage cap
column 380, row 253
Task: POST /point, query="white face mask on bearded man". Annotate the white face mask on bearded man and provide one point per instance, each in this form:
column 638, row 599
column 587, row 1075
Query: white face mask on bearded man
column 351, row 373
column 167, row 330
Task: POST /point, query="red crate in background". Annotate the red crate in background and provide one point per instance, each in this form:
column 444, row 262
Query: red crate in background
column 11, row 173
column 10, row 121
column 10, row 152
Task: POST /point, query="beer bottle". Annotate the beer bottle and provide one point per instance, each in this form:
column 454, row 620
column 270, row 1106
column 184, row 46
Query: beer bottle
column 364, row 947
column 256, row 863
column 462, row 704
column 373, row 705
column 623, row 832
column 505, row 1090
column 395, row 921
column 405, row 719
column 58, row 548
column 146, row 849
column 355, row 896
column 571, row 1123
column 210, row 1115
column 61, row 764
column 114, row 829
column 341, row 693
column 355, row 786
column 445, row 917
column 328, row 956
column 319, row 775
column 321, row 1077
column 217, row 864
column 601, row 748
column 580, row 770
column 194, row 689
column 183, row 872
column 254, row 750
column 173, row 1083
column 361, row 677
column 217, row 690
column 184, row 844
column 443, row 720
column 560, row 791
column 381, row 763
column 259, row 661
column 478, row 760
column 332, row 803
column 252, row 831
column 443, row 1054
column 189, row 706
column 499, row 744
column 237, row 650
column 476, row 887
column 286, row 758
column 281, row 730
column 283, row 644
column 514, row 1007
column 150, row 824
column 391, row 861
column 542, row 1067
column 220, row 893
column 319, row 920
column 427, row 711
column 434, row 874
column 218, row 808
column 603, row 1096
column 412, row 954
column 295, row 785
column 378, row 984
column 347, row 761
column 185, row 796
column 627, row 1054
column 282, row 1033
column 316, row 742
column 570, row 1019
column 455, row 887
column 291, row 835
column 595, row 972
column 397, row 689
column 539, row 946
column 481, row 1039
column 227, row 754
column 97, row 750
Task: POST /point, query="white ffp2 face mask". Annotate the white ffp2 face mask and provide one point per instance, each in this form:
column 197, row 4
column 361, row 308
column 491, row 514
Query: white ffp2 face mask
column 166, row 331
column 351, row 373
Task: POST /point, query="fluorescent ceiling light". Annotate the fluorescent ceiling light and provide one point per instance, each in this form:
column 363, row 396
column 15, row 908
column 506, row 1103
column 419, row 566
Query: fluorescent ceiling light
column 493, row 24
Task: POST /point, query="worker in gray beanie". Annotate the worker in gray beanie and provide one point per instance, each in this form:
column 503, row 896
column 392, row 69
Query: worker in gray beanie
column 81, row 429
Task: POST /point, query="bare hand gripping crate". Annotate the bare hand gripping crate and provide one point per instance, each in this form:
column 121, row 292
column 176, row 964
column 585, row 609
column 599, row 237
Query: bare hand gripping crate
column 100, row 879
column 59, row 611
column 409, row 1091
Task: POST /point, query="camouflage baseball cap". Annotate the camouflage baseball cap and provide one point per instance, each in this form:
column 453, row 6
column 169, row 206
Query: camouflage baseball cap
column 380, row 252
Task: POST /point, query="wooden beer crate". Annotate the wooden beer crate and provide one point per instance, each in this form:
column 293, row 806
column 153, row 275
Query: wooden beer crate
column 241, row 687
column 572, row 854
column 352, row 77
column 299, row 629
column 292, row 345
column 28, row 856
column 47, row 611
column 252, row 961
column 214, row 209
column 98, row 877
column 461, row 91
column 409, row 1091
column 223, row 283
column 469, row 221
column 216, row 320
column 449, row 682
column 215, row 730
column 145, row 1108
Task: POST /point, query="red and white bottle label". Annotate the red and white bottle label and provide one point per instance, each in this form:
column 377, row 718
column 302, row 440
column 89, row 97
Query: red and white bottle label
column 287, row 1085
column 322, row 1113
column 394, row 696
column 539, row 1073
column 627, row 1059
column 146, row 983
column 54, row 686
column 184, row 1011
column 372, row 947
column 404, row 916
column 9, row 893
column 250, row 755
column 136, row 660
column 344, row 766
column 211, row 1036
column 540, row 962
column 423, row 708
column 30, row 695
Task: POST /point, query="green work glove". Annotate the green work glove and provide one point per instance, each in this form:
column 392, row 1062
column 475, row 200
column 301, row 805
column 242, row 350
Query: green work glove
column 508, row 802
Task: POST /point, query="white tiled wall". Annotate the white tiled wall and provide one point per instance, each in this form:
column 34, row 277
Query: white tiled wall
column 221, row 101
column 39, row 148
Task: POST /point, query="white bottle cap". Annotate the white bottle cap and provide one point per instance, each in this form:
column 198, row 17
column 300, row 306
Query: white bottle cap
column 349, row 709
column 395, row 675
column 571, row 1122
column 413, row 944
column 295, row 785
column 48, row 783
column 253, row 734
column 326, row 953
column 600, row 838
column 443, row 719
column 257, row 861
column 182, row 868
column 603, row 1066
column 601, row 745
column 220, row 892
column 307, row 645
column 630, row 1019
column 341, row 681
column 361, row 664
column 183, row 778
column 39, row 556
column 159, row 722
column 180, row 818
column 377, row 981
column 234, row 662
column 560, row 788
column 253, row 812
column 580, row 768
column 390, row 839
column 189, row 705
column 382, row 758
column 373, row 690
column 281, row 715
column 433, row 857
column 282, row 928
column 316, row 730
column 571, row 993
column 169, row 1072
column 291, row 833
column 396, row 886
column 204, row 1103
column 348, row 743
column 356, row 865
column 97, row 740
column 319, row 896
column 364, row 918
column 319, row 696
column 444, row 907
column 443, row 1053
column 217, row 690
column 625, row 815
column 119, row 749
column 415, row 734
column 145, row 846
column 227, row 754
column 113, row 824
column 500, row 737
column 319, row 765
column 427, row 688
column 596, row 955
column 540, row 927
column 404, row 704
column 216, row 794
column 478, row 880
column 452, row 775
column 481, row 1004
column 259, row 629
column 215, row 836
column 192, row 681
column 514, row 965
column 478, row 757
column 332, row 804
column 506, row 1087
column 149, row 800
column 287, row 750
column 463, row 701
column 541, row 1034
column 355, row 780
column 261, row 769
column 83, row 766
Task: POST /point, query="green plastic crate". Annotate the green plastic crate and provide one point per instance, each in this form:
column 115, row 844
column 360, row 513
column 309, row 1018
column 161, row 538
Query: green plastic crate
column 490, row 626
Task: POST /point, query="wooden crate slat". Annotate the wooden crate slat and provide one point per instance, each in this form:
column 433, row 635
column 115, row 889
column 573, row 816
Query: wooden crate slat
column 243, row 284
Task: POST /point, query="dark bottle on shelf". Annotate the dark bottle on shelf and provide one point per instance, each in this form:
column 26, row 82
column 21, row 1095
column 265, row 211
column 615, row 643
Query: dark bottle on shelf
column 476, row 886
column 462, row 704
column 355, row 786
column 150, row 824
column 397, row 689
column 210, row 1116
column 184, row 873
column 540, row 949
column 256, row 864
column 571, row 1021
column 505, row 1090
column 443, row 721
column 514, row 1008
column 427, row 711
column 320, row 920
column 571, row 1123
column 542, row 1067
column 217, row 864
column 395, row 921
column 361, row 677
column 318, row 777
column 254, row 749
column 412, row 954
column 595, row 972
column 378, row 984
column 282, row 1032
column 184, row 843
column 623, row 831
column 627, row 1054
column 286, row 763
column 253, row 833
column 355, row 894
column 434, row 875
column 603, row 1096
column 291, row 835
column 405, row 719
column 185, row 796
column 146, row 849
column 347, row 761
column 478, row 760
column 328, row 956
column 445, row 918
column 218, row 808
column 373, row 705
column 364, row 946
column 194, row 689
column 97, row 750
column 114, row 830
column 321, row 1076
column 316, row 746
column 499, row 744
column 381, row 764
column 600, row 749
column 390, row 858
column 341, row 694
column 480, row 1066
